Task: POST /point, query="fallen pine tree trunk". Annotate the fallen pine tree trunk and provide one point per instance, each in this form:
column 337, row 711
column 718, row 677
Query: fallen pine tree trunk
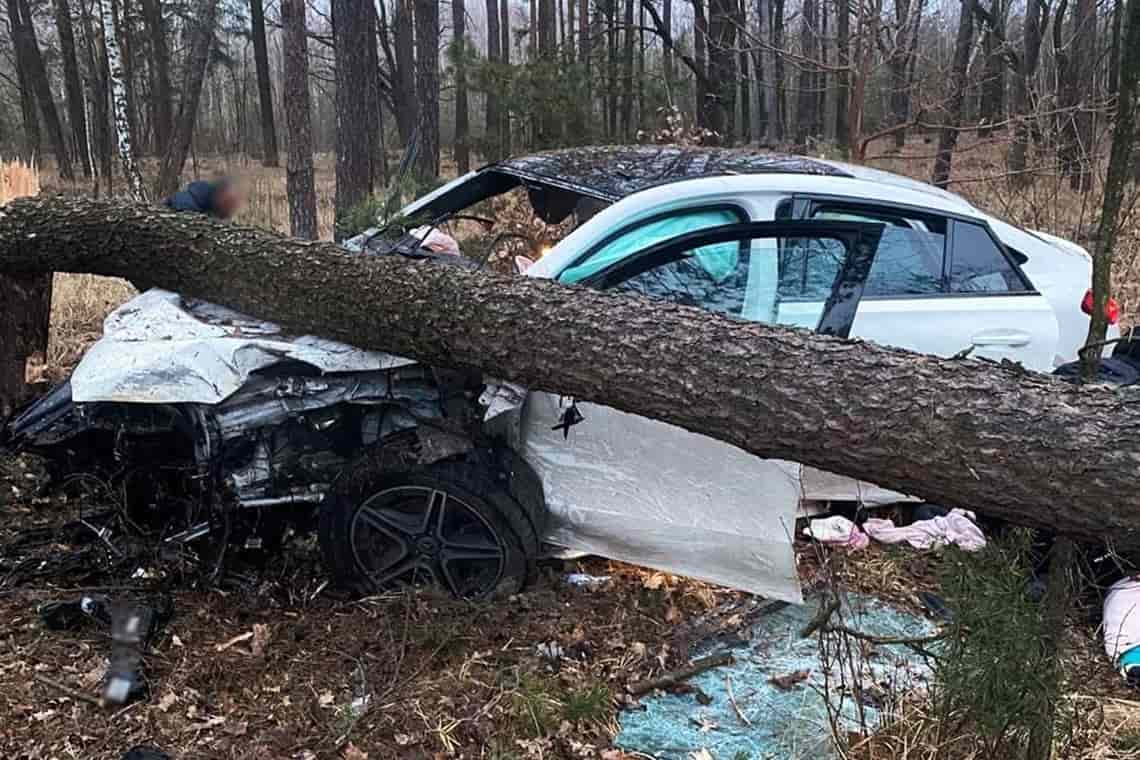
column 1016, row 445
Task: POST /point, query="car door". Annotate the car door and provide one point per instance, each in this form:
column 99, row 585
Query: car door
column 940, row 285
column 631, row 488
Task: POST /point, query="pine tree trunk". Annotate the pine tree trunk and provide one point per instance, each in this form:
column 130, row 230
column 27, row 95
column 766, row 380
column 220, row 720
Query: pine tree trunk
column 1021, row 108
column 98, row 79
column 120, row 103
column 35, row 73
column 404, row 97
column 780, row 113
column 700, row 54
column 744, row 90
column 806, row 110
column 29, row 118
column 1016, row 445
column 492, row 126
column 73, row 87
column 374, row 108
column 264, row 89
column 459, row 30
column 627, row 74
column 948, row 138
column 194, row 78
column 353, row 158
column 1083, row 70
column 299, row 180
column 843, row 136
column 161, row 97
column 427, row 87
column 505, row 50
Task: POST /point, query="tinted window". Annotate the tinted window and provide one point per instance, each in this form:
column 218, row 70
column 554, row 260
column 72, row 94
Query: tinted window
column 977, row 264
column 653, row 231
column 909, row 259
column 757, row 287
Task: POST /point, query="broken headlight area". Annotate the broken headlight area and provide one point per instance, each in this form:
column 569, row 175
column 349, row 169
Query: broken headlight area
column 239, row 473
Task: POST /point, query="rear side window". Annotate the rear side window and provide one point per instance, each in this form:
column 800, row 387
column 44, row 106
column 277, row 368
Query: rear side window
column 977, row 265
column 909, row 260
column 717, row 260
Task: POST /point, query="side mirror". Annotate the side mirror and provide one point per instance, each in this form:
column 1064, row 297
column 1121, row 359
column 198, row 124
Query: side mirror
column 523, row 263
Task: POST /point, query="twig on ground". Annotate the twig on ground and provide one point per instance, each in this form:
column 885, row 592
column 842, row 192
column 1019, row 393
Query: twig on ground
column 732, row 701
column 67, row 690
column 666, row 680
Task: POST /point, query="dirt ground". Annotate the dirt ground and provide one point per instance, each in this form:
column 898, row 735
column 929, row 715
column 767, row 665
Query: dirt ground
column 268, row 662
column 408, row 674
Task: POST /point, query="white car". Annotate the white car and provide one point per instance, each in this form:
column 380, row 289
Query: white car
column 791, row 240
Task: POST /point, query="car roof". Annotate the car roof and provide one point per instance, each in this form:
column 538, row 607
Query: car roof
column 613, row 172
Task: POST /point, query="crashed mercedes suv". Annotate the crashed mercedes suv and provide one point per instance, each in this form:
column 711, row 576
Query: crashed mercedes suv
column 227, row 428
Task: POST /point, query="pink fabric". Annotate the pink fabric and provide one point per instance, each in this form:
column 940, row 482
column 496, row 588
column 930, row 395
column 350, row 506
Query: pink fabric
column 837, row 531
column 955, row 528
column 436, row 241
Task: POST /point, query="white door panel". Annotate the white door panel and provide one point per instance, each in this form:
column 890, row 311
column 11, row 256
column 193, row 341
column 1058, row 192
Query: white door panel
column 1020, row 328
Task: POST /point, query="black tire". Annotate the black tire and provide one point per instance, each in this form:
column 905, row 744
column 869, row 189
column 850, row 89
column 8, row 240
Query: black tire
column 385, row 523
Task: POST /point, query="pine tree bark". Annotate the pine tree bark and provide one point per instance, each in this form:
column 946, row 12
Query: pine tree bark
column 73, row 87
column 721, row 98
column 491, row 125
column 626, row 112
column 427, row 88
column 843, row 136
column 161, row 97
column 30, row 120
column 404, row 75
column 1021, row 104
column 99, row 84
column 1020, row 446
column 300, row 183
column 459, row 30
column 374, row 105
column 194, row 78
column 780, row 111
column 955, row 101
column 806, row 111
column 264, row 88
column 35, row 73
column 353, row 165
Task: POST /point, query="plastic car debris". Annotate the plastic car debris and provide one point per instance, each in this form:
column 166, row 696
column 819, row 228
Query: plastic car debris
column 130, row 627
column 74, row 614
column 1122, row 627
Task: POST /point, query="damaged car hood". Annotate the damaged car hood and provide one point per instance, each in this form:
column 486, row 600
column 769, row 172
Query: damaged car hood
column 162, row 348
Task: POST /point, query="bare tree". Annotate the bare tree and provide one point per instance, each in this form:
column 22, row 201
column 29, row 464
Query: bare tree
column 119, row 103
column 194, row 77
column 73, row 87
column 1119, row 169
column 459, row 32
column 1021, row 101
column 353, row 157
column 264, row 88
column 952, row 117
column 161, row 97
column 427, row 87
column 299, row 179
column 35, row 75
column 492, row 126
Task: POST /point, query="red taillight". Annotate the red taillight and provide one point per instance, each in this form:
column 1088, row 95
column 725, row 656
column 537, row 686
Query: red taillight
column 1111, row 309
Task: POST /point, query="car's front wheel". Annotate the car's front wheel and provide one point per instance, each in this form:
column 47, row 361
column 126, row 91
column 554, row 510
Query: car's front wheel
column 447, row 524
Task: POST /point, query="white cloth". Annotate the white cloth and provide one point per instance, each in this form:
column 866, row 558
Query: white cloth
column 955, row 528
column 1122, row 617
column 838, row 531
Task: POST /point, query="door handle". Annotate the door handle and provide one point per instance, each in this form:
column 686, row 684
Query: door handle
column 1012, row 338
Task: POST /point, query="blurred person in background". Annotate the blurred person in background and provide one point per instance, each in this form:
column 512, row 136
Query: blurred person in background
column 220, row 198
